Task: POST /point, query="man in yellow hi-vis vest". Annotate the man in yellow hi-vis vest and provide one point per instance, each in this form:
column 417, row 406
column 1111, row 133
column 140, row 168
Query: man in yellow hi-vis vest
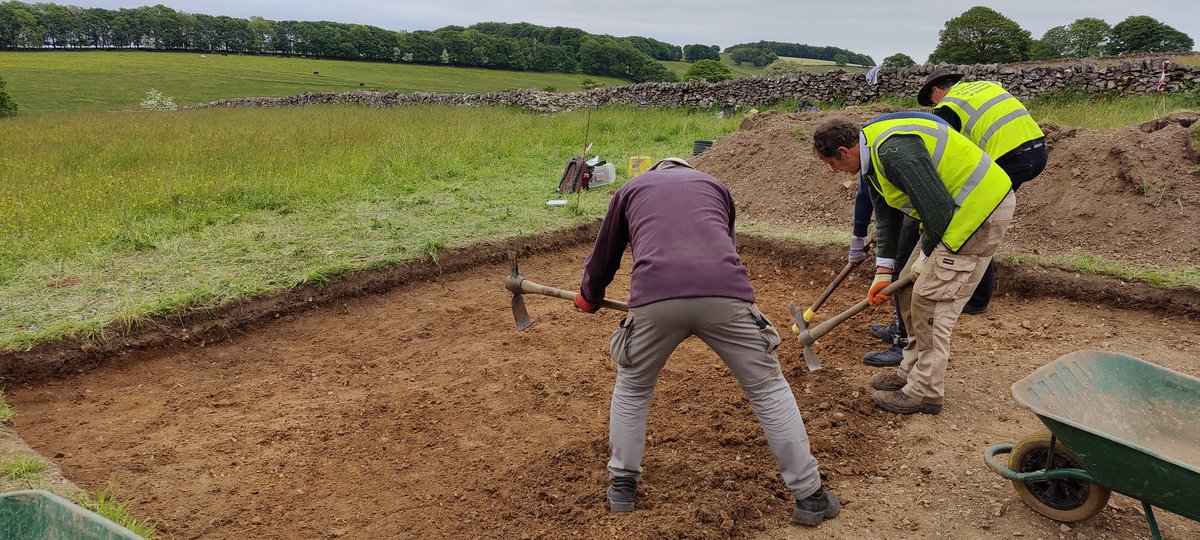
column 998, row 123
column 924, row 169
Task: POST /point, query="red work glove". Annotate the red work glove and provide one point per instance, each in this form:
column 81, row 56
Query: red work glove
column 584, row 305
column 883, row 278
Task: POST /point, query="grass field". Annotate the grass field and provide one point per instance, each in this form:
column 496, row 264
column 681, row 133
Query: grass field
column 1081, row 110
column 749, row 70
column 62, row 81
column 108, row 218
column 121, row 216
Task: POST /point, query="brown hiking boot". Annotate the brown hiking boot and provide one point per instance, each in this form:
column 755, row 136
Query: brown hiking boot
column 887, row 380
column 900, row 403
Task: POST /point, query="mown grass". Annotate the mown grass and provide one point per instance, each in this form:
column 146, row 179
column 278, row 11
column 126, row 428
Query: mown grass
column 1183, row 276
column 63, row 81
column 109, row 219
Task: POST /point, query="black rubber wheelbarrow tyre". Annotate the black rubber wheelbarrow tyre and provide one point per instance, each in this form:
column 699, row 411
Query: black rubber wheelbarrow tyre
column 1067, row 501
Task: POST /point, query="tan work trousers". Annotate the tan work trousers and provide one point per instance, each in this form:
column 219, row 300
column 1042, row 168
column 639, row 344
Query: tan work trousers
column 932, row 305
column 737, row 331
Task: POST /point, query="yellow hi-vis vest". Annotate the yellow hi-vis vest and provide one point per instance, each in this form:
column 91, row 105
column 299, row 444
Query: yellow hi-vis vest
column 993, row 119
column 976, row 183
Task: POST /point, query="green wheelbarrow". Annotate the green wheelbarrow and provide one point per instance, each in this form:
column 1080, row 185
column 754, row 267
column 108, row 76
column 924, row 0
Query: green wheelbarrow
column 1115, row 423
column 41, row 515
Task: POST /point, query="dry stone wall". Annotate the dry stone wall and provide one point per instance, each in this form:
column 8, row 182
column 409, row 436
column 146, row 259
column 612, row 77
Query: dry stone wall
column 1125, row 78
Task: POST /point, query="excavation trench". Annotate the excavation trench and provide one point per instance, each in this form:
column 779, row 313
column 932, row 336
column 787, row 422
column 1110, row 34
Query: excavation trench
column 405, row 404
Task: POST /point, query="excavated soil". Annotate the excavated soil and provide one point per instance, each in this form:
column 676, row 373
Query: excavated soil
column 1130, row 195
column 421, row 412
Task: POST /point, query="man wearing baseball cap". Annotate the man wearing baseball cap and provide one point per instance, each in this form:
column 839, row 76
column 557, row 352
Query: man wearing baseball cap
column 998, row 123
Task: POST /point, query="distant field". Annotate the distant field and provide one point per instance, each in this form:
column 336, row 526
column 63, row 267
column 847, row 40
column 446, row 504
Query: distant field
column 749, row 70
column 61, row 81
column 1188, row 59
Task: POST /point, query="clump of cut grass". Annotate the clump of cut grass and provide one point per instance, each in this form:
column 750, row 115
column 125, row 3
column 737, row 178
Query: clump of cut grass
column 106, row 504
column 21, row 471
column 6, row 411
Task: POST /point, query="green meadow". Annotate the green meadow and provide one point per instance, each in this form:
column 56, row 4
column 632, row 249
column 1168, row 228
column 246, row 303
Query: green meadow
column 68, row 81
column 110, row 218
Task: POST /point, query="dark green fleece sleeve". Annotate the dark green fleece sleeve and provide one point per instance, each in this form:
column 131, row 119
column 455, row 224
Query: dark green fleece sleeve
column 907, row 165
column 887, row 223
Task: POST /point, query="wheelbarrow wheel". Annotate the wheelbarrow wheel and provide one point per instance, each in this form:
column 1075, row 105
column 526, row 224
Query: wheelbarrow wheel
column 1061, row 500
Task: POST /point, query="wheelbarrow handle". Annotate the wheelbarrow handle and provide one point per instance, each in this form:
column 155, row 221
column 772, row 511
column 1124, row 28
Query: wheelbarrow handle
column 1036, row 476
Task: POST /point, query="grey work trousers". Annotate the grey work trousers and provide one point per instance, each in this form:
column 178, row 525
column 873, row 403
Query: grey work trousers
column 737, row 331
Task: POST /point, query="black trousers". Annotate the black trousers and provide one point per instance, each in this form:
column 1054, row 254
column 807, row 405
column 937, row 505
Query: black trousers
column 910, row 234
column 1022, row 165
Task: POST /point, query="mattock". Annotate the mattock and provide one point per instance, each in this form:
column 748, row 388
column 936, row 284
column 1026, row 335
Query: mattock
column 808, row 337
column 837, row 281
column 519, row 286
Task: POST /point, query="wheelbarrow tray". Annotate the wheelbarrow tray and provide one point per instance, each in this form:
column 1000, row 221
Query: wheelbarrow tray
column 1134, row 426
column 41, row 515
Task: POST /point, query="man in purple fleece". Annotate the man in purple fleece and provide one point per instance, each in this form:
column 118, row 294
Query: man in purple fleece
column 689, row 281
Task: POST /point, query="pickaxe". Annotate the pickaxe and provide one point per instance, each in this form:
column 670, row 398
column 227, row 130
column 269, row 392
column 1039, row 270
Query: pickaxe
column 808, row 337
column 520, row 286
column 833, row 285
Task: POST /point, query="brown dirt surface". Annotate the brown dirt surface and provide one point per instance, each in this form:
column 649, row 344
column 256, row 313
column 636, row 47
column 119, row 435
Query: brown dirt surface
column 1129, row 195
column 421, row 412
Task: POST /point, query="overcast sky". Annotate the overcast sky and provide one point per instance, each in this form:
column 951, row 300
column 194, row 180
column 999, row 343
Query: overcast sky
column 875, row 27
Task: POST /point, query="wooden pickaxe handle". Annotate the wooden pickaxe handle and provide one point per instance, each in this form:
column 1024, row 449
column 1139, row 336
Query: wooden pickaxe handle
column 519, row 287
column 837, row 281
column 529, row 287
column 808, row 337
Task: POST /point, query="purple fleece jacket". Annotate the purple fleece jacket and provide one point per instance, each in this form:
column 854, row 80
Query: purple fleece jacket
column 680, row 224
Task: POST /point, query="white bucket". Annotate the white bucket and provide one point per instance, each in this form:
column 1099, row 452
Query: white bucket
column 603, row 175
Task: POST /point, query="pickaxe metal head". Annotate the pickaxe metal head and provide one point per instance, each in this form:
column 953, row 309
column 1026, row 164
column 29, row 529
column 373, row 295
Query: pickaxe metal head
column 805, row 339
column 513, row 284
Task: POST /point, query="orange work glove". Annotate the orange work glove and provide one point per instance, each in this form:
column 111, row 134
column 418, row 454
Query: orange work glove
column 881, row 281
column 584, row 305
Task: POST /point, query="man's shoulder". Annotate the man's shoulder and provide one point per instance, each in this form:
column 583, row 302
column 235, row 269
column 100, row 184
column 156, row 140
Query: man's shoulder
column 681, row 176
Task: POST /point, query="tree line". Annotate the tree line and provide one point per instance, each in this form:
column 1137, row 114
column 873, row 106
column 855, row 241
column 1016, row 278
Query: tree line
column 757, row 52
column 520, row 47
column 984, row 36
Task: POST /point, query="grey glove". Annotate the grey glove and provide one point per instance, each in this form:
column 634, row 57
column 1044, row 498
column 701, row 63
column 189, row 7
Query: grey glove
column 858, row 249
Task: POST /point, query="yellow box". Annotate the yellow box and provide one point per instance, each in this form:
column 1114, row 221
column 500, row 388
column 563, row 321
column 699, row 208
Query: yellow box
column 638, row 165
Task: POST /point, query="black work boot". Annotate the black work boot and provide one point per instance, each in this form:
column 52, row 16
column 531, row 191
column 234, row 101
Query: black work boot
column 622, row 494
column 816, row 508
column 888, row 358
column 974, row 310
column 886, row 332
